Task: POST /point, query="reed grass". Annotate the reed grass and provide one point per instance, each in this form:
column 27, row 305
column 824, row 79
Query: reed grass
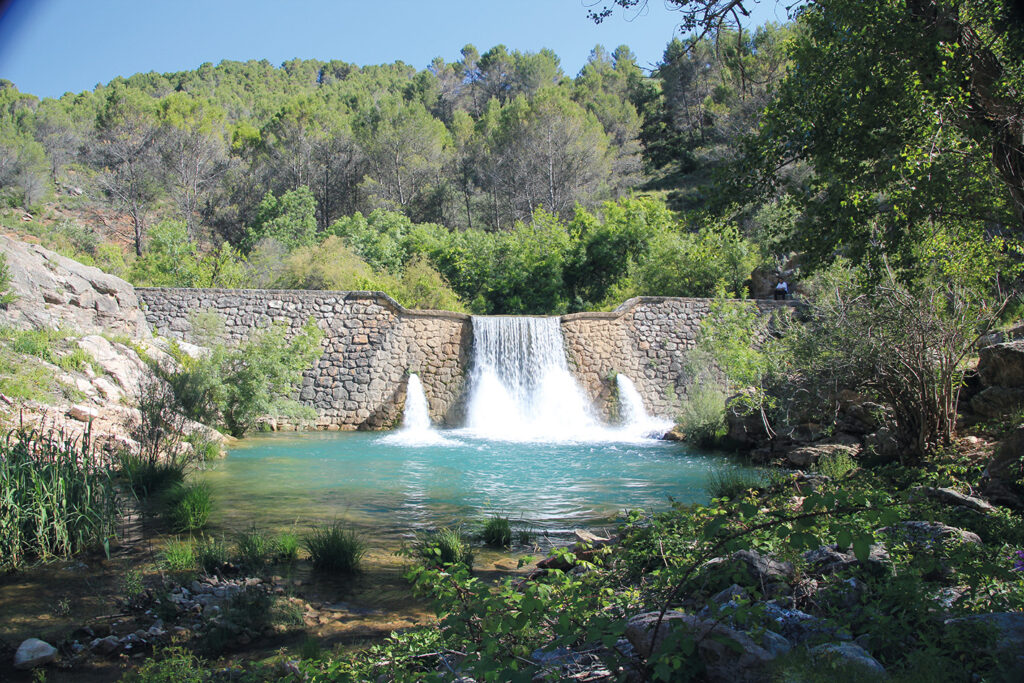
column 54, row 499
column 188, row 506
column 445, row 546
column 733, row 483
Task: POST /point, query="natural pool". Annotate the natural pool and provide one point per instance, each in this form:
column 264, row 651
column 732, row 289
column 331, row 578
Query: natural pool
column 388, row 487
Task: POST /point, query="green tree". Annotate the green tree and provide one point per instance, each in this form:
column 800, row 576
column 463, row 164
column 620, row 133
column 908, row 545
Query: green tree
column 290, row 219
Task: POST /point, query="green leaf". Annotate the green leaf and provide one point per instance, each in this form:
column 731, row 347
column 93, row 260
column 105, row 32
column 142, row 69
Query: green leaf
column 862, row 546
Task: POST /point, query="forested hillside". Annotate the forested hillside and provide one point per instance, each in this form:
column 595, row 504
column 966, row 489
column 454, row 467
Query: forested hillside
column 497, row 179
column 500, row 184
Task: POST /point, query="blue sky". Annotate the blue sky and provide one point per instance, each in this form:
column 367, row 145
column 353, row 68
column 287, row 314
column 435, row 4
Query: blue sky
column 49, row 47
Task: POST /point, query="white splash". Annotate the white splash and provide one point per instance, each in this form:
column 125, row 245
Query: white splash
column 635, row 420
column 522, row 388
column 417, row 429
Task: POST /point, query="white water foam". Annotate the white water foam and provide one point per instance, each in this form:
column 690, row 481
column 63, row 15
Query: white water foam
column 523, row 390
column 416, row 430
column 635, row 419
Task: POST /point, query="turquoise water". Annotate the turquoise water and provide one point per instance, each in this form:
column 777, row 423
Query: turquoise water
column 386, row 488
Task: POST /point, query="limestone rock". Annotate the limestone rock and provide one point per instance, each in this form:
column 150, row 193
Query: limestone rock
column 829, row 559
column 1002, row 364
column 34, row 652
column 954, row 498
column 54, row 291
column 83, row 413
column 1008, row 629
column 997, row 400
column 118, row 361
column 848, row 655
column 1002, row 476
column 728, row 654
column 761, row 569
column 883, row 444
column 930, row 534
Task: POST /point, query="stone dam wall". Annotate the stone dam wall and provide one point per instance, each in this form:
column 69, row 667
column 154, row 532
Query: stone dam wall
column 371, row 343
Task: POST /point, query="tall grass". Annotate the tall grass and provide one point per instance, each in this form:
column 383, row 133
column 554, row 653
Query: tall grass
column 335, row 548
column 148, row 476
column 733, row 483
column 497, row 531
column 188, row 506
column 445, row 546
column 54, row 501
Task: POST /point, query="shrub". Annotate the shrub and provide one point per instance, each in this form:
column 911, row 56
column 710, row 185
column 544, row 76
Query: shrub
column 178, row 556
column 188, row 506
column 497, row 531
column 732, row 483
column 703, row 416
column 835, row 465
column 443, row 547
column 335, row 548
column 53, row 501
column 211, row 554
column 173, row 665
column 204, row 449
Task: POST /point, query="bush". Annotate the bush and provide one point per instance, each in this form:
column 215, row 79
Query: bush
column 173, row 665
column 254, row 547
column 835, row 465
column 188, row 506
column 497, row 532
column 702, row 419
column 204, row 449
column 733, row 483
column 335, row 548
column 178, row 556
column 443, row 547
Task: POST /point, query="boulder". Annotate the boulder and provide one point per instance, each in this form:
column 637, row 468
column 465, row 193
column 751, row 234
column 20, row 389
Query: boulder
column 883, row 444
column 1002, row 364
column 1008, row 629
column 54, row 291
column 930, row 534
column 761, row 570
column 1002, row 475
column 34, row 652
column 118, row 361
column 952, row 498
column 727, row 654
column 997, row 401
column 845, row 656
column 829, row 559
column 745, row 429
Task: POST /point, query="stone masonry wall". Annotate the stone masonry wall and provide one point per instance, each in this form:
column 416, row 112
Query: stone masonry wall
column 371, row 343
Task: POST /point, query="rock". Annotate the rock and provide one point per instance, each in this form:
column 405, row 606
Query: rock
column 761, row 569
column 745, row 429
column 997, row 401
column 54, row 291
column 863, row 417
column 804, row 456
column 727, row 654
column 775, row 644
column 1002, row 364
column 883, row 444
column 83, row 413
column 731, row 593
column 106, row 646
column 1002, row 476
column 1007, row 627
column 118, row 361
column 846, row 656
column 798, row 626
column 34, row 652
column 931, row 534
column 953, row 498
column 829, row 559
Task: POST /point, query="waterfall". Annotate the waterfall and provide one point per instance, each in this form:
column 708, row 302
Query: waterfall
column 417, row 413
column 416, row 428
column 635, row 419
column 522, row 389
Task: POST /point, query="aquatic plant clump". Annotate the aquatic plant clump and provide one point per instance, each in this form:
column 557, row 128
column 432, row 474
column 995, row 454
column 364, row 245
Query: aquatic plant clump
column 54, row 499
column 188, row 506
column 335, row 548
column 497, row 531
